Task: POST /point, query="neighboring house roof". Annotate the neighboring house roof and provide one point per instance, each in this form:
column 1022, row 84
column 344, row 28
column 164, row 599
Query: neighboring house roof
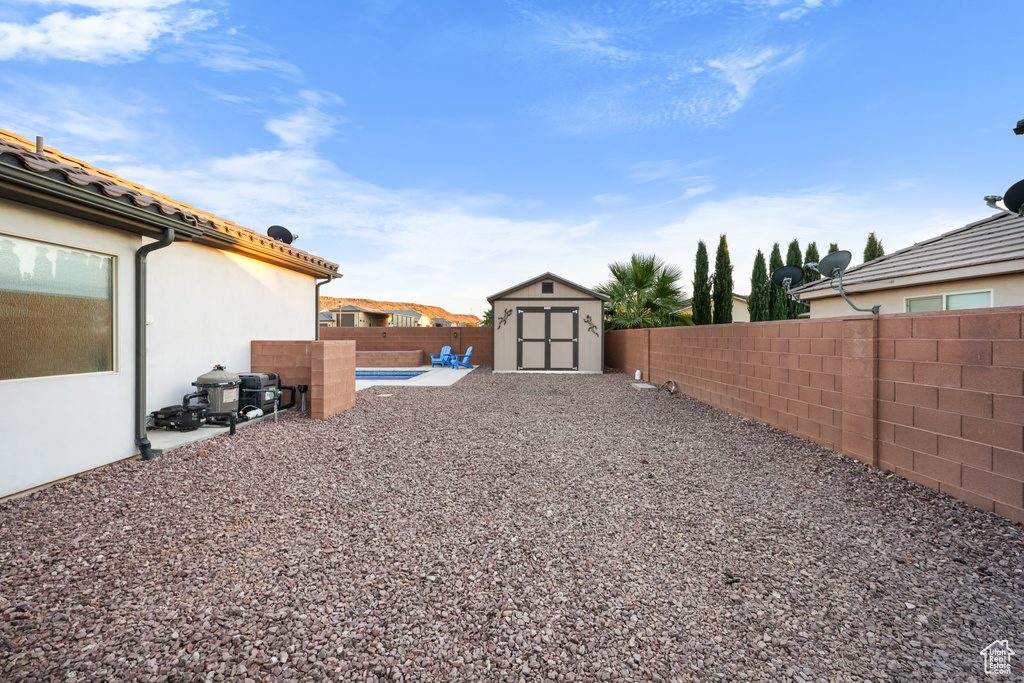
column 688, row 303
column 989, row 245
column 325, row 316
column 392, row 306
column 548, row 276
column 52, row 179
column 351, row 308
column 408, row 312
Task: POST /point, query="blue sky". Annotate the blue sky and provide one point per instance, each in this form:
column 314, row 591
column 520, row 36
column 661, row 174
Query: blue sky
column 441, row 152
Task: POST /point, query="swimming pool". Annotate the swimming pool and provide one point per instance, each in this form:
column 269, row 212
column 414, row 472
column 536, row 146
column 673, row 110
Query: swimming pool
column 388, row 375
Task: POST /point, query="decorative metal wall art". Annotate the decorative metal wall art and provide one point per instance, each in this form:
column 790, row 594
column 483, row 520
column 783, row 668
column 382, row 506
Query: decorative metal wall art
column 593, row 328
column 504, row 319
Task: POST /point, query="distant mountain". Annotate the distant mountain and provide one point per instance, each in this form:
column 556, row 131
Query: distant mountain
column 329, row 302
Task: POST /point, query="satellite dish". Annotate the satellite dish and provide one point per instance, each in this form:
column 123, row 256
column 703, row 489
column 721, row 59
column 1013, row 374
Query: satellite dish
column 836, row 261
column 281, row 234
column 792, row 273
column 1014, row 197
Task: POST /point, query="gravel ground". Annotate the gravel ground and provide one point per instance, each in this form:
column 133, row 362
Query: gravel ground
column 508, row 528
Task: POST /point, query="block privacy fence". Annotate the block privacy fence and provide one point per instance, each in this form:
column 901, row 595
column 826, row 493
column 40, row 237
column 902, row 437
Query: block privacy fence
column 426, row 340
column 328, row 367
column 937, row 398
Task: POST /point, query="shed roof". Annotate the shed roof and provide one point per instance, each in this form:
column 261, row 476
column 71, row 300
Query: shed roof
column 548, row 276
column 50, row 172
column 995, row 239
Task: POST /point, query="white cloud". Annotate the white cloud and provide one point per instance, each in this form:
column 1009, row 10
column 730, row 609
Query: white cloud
column 743, row 69
column 230, row 53
column 119, row 30
column 390, row 244
column 647, row 171
column 610, row 199
column 306, row 126
column 817, row 215
column 92, row 117
column 801, row 10
column 302, row 128
column 591, row 42
column 454, row 250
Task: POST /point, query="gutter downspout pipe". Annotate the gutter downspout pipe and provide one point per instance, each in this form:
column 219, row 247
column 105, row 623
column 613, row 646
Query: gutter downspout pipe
column 316, row 317
column 141, row 439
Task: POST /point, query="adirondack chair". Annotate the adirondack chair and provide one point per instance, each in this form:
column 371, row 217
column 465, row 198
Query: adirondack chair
column 443, row 358
column 462, row 360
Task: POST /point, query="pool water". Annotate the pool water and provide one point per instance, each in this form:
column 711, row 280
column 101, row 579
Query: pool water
column 388, row 374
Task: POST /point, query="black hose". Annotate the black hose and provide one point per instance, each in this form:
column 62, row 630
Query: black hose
column 291, row 404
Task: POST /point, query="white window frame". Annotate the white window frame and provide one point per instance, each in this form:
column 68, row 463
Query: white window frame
column 945, row 297
column 115, row 327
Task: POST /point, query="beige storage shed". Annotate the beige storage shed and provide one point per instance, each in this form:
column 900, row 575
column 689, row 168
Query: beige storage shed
column 548, row 324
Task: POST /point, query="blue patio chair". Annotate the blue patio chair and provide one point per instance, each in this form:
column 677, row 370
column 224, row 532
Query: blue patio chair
column 443, row 358
column 462, row 360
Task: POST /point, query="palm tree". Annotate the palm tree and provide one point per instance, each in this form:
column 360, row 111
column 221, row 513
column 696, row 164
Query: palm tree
column 487, row 318
column 644, row 292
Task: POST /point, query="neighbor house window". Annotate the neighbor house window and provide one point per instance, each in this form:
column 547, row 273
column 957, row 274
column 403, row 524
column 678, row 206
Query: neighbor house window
column 547, row 288
column 950, row 302
column 56, row 310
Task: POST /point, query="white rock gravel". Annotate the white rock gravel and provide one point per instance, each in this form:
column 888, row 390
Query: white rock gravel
column 507, row 528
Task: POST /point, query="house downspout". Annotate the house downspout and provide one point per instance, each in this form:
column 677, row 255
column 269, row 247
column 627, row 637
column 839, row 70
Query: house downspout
column 141, row 438
column 316, row 317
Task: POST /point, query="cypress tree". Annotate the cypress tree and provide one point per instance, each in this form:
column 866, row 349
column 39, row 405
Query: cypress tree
column 778, row 306
column 760, row 292
column 722, row 292
column 701, row 303
column 794, row 258
column 873, row 249
column 833, row 247
column 810, row 275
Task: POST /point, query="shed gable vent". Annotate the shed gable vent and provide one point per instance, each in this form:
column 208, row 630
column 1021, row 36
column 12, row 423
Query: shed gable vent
column 547, row 288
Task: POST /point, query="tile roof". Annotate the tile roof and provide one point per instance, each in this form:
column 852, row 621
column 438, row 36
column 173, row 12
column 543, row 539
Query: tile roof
column 431, row 312
column 994, row 239
column 54, row 164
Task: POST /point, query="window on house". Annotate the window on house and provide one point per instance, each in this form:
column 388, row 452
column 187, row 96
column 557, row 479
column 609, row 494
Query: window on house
column 950, row 302
column 958, row 302
column 56, row 310
column 547, row 288
column 924, row 303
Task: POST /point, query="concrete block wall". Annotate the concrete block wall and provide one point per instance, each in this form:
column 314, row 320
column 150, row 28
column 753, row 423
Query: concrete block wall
column 391, row 359
column 785, row 374
column 628, row 351
column 935, row 397
column 951, row 404
column 328, row 367
column 427, row 340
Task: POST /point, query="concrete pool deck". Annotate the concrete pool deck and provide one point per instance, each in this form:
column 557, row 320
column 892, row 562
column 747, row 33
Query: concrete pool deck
column 432, row 377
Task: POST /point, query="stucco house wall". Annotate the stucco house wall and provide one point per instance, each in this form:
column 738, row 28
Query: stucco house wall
column 69, row 237
column 1007, row 290
column 70, row 423
column 232, row 303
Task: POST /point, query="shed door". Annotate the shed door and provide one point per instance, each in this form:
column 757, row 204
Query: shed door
column 548, row 338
